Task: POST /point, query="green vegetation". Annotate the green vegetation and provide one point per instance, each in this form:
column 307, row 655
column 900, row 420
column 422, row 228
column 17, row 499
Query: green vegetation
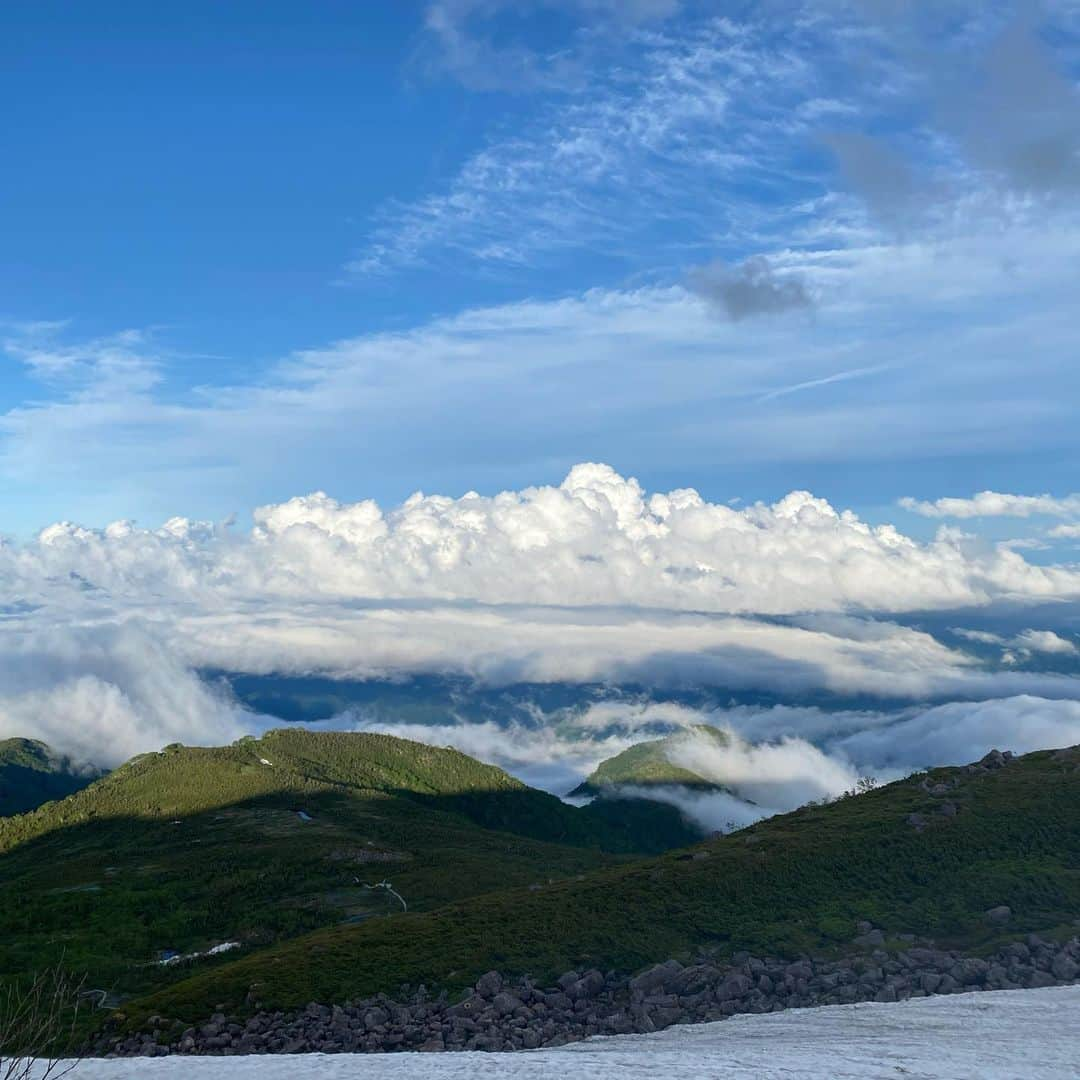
column 794, row 883
column 259, row 841
column 31, row 774
column 649, row 763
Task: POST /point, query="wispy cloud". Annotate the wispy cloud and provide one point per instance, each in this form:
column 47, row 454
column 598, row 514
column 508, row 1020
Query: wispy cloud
column 996, row 504
column 465, row 39
column 649, row 146
column 825, row 380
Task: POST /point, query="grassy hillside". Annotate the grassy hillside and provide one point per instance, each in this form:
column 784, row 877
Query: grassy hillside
column 648, row 763
column 927, row 855
column 31, row 774
column 255, row 842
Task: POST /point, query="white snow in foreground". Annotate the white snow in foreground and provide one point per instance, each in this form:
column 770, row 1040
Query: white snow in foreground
column 1013, row 1034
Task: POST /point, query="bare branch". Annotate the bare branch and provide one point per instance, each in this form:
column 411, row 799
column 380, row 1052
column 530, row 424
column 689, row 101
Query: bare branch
column 38, row 1026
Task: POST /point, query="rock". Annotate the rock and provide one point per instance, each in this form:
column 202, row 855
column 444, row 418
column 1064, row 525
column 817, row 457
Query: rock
column 1064, row 967
column 734, row 986
column 870, row 939
column 1000, row 914
column 468, row 1008
column 916, row 821
column 590, row 984
column 505, row 1003
column 995, row 759
column 487, row 986
column 693, row 980
column 513, row 1015
column 970, row 972
column 948, row 809
column 375, row 1017
column 655, row 977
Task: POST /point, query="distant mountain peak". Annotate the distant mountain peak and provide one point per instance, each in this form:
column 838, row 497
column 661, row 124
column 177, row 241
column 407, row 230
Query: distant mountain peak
column 650, row 764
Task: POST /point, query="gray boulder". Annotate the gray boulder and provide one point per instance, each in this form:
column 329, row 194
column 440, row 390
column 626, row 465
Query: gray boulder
column 487, row 986
column 655, row 977
column 505, row 1003
column 1064, row 967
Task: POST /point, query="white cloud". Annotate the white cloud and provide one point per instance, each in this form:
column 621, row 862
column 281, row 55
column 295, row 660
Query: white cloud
column 662, row 125
column 960, row 732
column 462, row 43
column 591, row 581
column 996, row 504
column 776, row 759
column 775, row 776
column 596, row 539
column 103, row 694
column 1025, row 643
column 1045, row 641
column 1065, row 532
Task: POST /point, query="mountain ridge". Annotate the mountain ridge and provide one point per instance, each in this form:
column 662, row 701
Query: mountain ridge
column 179, row 850
column 926, row 855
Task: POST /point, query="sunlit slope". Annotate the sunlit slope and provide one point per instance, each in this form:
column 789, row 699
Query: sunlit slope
column 254, row 842
column 928, row 855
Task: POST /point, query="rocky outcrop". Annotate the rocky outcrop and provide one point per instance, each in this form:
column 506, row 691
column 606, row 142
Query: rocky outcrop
column 505, row 1014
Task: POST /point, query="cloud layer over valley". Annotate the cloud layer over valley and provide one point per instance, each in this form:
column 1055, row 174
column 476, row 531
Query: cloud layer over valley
column 108, row 638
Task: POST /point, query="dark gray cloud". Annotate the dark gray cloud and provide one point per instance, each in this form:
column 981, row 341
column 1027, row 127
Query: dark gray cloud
column 880, row 175
column 754, row 287
column 1022, row 117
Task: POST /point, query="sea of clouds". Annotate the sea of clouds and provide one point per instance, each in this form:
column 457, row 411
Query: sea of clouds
column 105, row 635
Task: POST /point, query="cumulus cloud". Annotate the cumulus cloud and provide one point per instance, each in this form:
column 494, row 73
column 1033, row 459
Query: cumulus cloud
column 996, row 504
column 591, row 581
column 596, row 539
column 1027, row 641
column 755, row 287
column 1045, row 641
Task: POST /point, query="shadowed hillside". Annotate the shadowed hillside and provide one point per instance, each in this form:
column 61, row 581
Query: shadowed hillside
column 31, row 774
column 184, row 849
column 928, row 855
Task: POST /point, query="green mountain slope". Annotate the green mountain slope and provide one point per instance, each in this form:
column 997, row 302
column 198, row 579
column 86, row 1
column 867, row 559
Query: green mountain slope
column 31, row 774
column 927, row 855
column 649, row 763
column 184, row 849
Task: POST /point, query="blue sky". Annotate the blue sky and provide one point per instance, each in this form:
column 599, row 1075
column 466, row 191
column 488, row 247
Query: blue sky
column 253, row 250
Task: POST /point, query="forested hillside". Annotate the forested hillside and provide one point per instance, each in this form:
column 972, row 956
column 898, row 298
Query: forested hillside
column 182, row 850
